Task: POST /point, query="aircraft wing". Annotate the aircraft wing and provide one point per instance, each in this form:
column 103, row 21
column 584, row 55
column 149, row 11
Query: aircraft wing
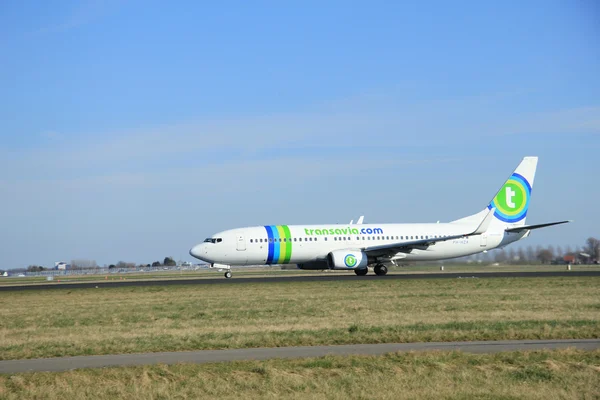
column 530, row 227
column 393, row 248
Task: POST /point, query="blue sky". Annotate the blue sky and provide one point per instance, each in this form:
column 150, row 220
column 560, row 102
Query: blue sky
column 130, row 130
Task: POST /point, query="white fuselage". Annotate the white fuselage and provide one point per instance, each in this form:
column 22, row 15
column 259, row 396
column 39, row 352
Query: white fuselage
column 298, row 244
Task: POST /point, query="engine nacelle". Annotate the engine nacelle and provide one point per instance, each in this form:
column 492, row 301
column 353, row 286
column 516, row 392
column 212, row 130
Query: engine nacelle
column 313, row 265
column 347, row 259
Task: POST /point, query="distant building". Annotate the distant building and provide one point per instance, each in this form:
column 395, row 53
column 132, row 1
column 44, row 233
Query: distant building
column 60, row 265
column 570, row 259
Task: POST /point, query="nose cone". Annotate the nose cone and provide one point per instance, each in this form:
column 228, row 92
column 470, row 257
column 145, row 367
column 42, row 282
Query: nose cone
column 197, row 251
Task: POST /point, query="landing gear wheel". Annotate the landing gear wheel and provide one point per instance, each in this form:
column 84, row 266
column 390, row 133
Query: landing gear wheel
column 380, row 270
column 228, row 274
column 361, row 272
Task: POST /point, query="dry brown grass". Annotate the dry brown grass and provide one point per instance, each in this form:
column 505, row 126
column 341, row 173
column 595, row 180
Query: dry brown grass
column 139, row 319
column 567, row 374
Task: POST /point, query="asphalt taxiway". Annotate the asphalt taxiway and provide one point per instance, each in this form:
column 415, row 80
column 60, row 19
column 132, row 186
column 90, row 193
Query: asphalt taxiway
column 296, row 278
column 211, row 356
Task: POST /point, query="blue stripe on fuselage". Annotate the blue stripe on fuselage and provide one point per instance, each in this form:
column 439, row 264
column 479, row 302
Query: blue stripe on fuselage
column 271, row 244
column 277, row 245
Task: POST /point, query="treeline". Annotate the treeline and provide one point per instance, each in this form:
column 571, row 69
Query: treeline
column 167, row 262
column 589, row 253
column 85, row 264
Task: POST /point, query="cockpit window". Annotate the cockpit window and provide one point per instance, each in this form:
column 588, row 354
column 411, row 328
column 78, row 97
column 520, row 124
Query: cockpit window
column 213, row 240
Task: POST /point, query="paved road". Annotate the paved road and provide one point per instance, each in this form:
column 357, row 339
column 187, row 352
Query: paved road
column 209, row 356
column 297, row 278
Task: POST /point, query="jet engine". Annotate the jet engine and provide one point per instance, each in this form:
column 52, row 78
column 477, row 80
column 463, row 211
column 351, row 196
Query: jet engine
column 347, row 259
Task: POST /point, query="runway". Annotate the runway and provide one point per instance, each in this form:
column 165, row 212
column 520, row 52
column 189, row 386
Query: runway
column 211, row 356
column 325, row 277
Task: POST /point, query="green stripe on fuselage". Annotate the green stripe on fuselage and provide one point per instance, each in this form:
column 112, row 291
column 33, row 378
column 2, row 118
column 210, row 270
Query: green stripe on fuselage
column 288, row 248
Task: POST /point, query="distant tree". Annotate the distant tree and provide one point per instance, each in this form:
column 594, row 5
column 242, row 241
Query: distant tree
column 521, row 255
column 83, row 263
column 545, row 256
column 559, row 253
column 156, row 264
column 551, row 250
column 169, row 262
column 568, row 251
column 592, row 247
column 485, row 257
column 148, row 265
column 123, row 264
column 35, row 268
column 500, row 256
column 530, row 254
column 512, row 255
column 111, row 266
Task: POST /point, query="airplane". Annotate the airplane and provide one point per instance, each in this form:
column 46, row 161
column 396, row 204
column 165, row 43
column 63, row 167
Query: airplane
column 356, row 247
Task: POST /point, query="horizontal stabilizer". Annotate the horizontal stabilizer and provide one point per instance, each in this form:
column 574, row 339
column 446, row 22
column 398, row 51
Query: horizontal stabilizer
column 530, row 227
column 483, row 227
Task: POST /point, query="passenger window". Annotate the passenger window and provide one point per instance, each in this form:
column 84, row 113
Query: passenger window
column 325, row 238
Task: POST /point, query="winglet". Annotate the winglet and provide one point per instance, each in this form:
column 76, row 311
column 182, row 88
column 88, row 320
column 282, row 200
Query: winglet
column 483, row 226
column 360, row 220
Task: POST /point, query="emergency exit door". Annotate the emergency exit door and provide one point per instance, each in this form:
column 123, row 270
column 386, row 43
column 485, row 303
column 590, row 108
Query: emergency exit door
column 241, row 243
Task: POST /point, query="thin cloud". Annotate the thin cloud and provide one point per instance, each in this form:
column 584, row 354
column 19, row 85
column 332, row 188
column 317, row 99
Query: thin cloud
column 582, row 120
column 83, row 13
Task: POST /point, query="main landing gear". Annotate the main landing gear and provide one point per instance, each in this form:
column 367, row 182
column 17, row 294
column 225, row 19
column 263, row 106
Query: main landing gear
column 228, row 274
column 380, row 270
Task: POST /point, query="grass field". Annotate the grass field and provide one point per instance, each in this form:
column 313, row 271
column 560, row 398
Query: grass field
column 49, row 323
column 566, row 374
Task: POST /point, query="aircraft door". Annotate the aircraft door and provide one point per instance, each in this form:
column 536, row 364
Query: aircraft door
column 483, row 242
column 241, row 242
